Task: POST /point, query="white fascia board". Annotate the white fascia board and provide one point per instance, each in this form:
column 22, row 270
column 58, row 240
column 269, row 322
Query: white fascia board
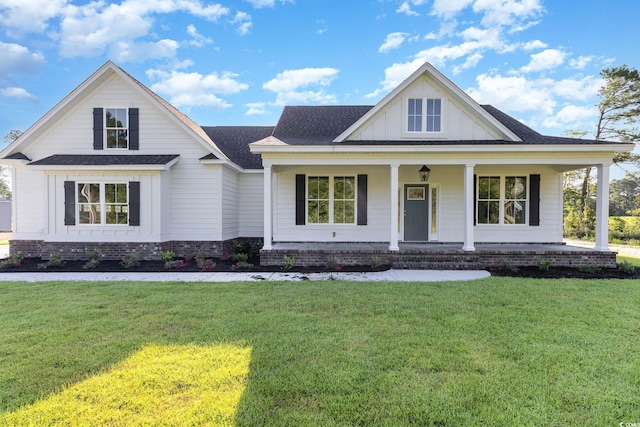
column 14, row 161
column 457, row 148
column 95, row 168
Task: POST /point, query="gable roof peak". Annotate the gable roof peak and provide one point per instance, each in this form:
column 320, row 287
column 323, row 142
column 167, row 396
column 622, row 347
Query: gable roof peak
column 454, row 91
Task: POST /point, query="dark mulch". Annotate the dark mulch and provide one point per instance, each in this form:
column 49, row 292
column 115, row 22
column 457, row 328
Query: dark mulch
column 567, row 272
column 31, row 265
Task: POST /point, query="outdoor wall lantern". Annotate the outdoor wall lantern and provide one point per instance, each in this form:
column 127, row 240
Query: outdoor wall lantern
column 424, row 173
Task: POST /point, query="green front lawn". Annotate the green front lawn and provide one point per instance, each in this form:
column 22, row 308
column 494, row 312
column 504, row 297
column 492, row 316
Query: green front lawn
column 499, row 351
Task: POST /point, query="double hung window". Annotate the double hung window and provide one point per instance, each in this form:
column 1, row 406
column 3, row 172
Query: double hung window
column 502, row 200
column 116, row 128
column 331, row 200
column 102, row 203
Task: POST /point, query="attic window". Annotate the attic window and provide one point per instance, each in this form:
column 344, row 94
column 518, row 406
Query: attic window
column 421, row 121
column 116, row 128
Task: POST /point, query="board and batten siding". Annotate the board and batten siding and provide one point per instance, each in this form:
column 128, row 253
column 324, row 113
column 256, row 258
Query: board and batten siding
column 29, row 203
column 187, row 204
column 376, row 230
column 251, row 199
column 458, row 123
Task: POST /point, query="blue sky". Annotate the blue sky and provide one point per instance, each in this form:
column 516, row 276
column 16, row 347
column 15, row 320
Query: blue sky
column 239, row 62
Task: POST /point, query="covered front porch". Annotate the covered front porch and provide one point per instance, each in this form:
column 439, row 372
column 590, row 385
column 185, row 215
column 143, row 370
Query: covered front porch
column 418, row 255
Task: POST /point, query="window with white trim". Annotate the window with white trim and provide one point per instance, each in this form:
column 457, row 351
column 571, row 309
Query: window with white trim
column 421, row 120
column 103, row 203
column 116, row 128
column 502, row 200
column 331, row 200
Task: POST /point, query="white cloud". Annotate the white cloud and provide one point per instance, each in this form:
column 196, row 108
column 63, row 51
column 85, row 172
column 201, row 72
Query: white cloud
column 534, row 44
column 514, row 93
column 289, row 86
column 258, row 4
column 195, row 89
column 96, row 27
column 198, row 40
column 18, row 93
column 393, row 41
column 540, row 96
column 244, row 21
column 545, row 60
column 17, row 59
column 581, row 62
column 572, row 117
column 507, row 13
column 25, row 16
column 140, row 52
column 405, row 8
column 447, row 9
column 256, row 108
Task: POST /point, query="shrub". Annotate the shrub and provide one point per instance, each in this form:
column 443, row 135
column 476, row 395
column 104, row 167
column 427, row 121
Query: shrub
column 240, row 257
column 131, row 260
column 55, row 259
column 243, row 265
column 166, row 255
column 178, row 263
column 626, row 267
column 544, row 264
column 590, row 268
column 93, row 259
column 331, row 263
column 288, row 262
column 13, row 261
column 206, row 265
column 375, row 261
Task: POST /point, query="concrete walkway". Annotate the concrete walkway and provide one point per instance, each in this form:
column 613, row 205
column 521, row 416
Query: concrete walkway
column 389, row 276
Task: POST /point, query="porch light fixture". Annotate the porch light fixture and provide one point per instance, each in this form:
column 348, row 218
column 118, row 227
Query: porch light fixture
column 424, row 173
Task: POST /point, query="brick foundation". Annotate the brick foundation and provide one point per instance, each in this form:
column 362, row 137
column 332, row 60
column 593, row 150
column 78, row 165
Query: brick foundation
column 443, row 260
column 115, row 250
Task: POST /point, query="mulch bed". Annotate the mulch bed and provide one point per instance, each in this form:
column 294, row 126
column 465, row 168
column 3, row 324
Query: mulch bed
column 566, row 272
column 32, row 265
column 29, row 265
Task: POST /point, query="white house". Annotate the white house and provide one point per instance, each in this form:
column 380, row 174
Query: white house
column 116, row 167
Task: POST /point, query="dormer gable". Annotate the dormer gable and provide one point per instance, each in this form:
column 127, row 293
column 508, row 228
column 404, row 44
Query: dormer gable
column 427, row 107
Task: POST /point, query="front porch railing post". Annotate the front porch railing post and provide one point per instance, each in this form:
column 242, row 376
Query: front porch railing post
column 602, row 209
column 469, row 197
column 393, row 238
column 267, row 208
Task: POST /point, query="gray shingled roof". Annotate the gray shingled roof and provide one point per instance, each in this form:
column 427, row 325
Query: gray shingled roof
column 105, row 159
column 313, row 125
column 234, row 142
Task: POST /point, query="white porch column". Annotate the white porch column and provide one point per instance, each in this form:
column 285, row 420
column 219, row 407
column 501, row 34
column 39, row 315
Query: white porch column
column 468, row 244
column 267, row 209
column 602, row 209
column 393, row 238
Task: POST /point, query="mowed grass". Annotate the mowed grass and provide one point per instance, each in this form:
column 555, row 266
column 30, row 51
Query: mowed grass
column 499, row 351
column 631, row 260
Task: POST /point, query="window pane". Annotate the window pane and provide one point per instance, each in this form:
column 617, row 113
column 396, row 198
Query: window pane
column 312, row 212
column 88, row 214
column 494, row 212
column 349, row 212
column 88, row 193
column 414, row 115
column 323, row 187
column 514, row 212
column 515, row 187
column 483, row 212
column 323, row 212
column 494, row 188
column 312, row 188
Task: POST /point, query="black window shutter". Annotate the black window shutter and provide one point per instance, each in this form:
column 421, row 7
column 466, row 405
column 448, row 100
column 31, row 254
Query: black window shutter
column 134, row 203
column 534, row 197
column 362, row 199
column 134, row 133
column 69, row 203
column 300, row 199
column 98, row 129
column 475, row 199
